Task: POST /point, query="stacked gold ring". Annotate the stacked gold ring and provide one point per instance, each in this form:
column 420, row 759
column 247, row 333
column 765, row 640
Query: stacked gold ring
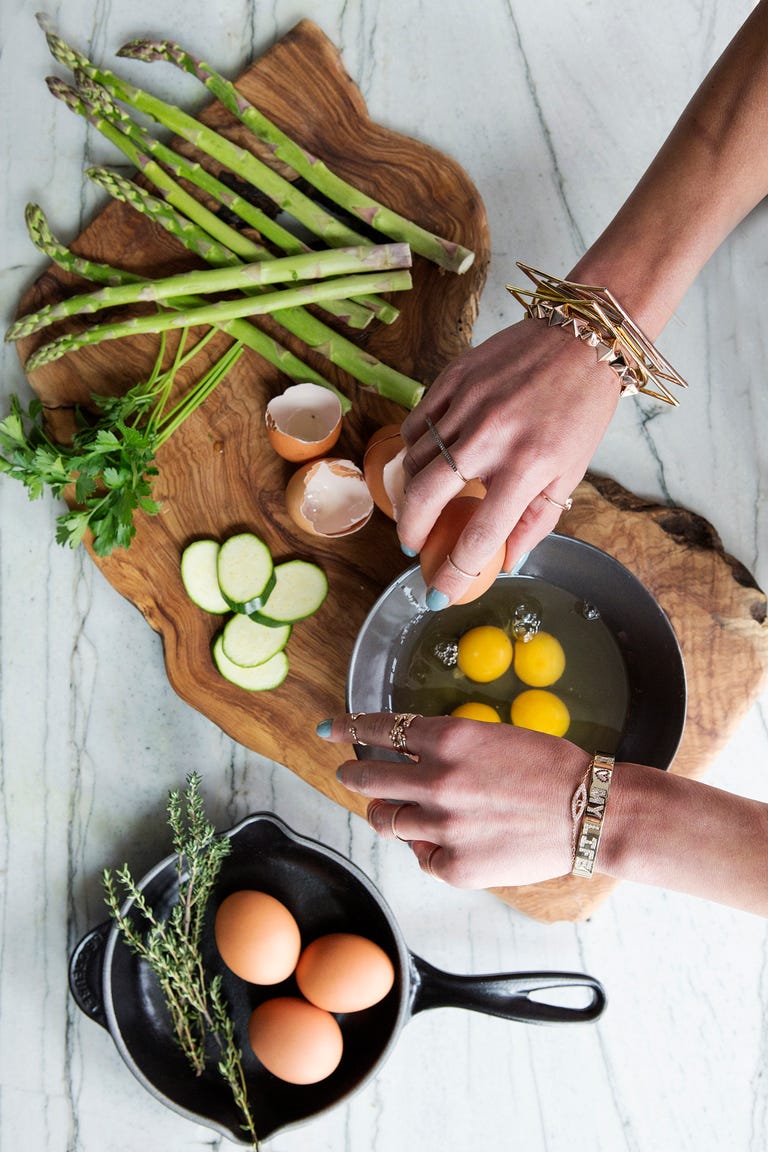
column 397, row 732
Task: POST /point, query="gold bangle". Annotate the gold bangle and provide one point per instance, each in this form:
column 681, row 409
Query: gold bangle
column 601, row 771
column 595, row 316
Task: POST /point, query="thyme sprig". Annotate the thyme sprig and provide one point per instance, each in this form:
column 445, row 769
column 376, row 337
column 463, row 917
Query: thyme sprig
column 172, row 947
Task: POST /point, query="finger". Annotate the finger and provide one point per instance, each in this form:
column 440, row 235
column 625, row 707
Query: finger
column 393, row 820
column 537, row 521
column 483, row 537
column 425, row 497
column 433, row 405
column 383, row 779
column 429, row 856
column 378, row 729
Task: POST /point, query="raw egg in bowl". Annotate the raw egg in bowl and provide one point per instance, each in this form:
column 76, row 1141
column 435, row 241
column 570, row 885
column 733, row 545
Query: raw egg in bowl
column 571, row 643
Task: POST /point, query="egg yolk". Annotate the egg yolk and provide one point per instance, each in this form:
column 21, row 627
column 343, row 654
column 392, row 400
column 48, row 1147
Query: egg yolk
column 539, row 661
column 485, row 653
column 474, row 710
column 541, row 712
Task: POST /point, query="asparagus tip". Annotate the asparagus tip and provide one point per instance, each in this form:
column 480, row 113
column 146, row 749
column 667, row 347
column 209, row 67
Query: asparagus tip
column 144, row 50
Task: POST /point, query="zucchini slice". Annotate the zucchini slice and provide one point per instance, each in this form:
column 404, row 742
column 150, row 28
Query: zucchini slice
column 199, row 576
column 264, row 676
column 300, row 588
column 245, row 572
column 248, row 643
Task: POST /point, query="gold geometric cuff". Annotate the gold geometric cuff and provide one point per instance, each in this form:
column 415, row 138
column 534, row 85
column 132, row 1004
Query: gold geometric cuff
column 592, row 825
column 595, row 316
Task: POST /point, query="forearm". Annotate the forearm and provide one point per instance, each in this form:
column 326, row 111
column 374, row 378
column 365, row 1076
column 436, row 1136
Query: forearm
column 710, row 173
column 665, row 830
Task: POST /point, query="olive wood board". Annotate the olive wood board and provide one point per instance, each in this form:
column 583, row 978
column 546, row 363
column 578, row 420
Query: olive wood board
column 218, row 474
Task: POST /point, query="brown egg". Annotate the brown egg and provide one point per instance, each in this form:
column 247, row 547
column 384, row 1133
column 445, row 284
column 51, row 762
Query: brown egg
column 383, row 468
column 303, row 422
column 342, row 972
column 442, row 540
column 329, row 498
column 257, row 937
column 295, row 1040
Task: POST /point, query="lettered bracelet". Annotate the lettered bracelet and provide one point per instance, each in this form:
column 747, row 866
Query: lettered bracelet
column 596, row 317
column 588, row 839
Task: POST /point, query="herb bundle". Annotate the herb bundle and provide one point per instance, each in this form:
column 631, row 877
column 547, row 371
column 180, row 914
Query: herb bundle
column 109, row 465
column 171, row 948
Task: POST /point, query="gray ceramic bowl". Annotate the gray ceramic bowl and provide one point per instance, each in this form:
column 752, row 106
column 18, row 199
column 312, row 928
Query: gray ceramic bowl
column 643, row 633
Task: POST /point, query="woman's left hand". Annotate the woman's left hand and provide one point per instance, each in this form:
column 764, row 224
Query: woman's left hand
column 481, row 805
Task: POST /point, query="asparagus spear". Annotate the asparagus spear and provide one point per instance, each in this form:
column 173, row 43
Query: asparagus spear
column 359, row 364
column 446, row 253
column 311, row 266
column 248, row 334
column 239, row 160
column 297, row 320
column 222, row 311
column 357, row 315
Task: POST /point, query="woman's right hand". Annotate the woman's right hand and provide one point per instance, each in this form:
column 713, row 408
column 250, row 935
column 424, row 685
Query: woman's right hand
column 524, row 412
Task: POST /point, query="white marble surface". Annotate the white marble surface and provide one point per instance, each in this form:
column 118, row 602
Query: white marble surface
column 555, row 110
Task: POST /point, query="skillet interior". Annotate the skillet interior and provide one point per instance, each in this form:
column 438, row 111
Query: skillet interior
column 326, row 894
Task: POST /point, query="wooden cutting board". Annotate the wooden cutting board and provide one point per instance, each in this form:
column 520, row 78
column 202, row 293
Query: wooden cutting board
column 219, row 475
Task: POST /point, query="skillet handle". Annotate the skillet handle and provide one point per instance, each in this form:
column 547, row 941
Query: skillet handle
column 86, row 968
column 505, row 994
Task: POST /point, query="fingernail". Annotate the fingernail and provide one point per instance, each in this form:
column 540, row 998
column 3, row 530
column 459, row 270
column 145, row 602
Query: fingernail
column 437, row 600
column 324, row 728
column 408, row 551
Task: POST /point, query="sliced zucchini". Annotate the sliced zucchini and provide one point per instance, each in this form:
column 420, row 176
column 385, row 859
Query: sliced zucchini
column 247, row 643
column 259, row 679
column 245, row 572
column 300, row 588
column 199, row 576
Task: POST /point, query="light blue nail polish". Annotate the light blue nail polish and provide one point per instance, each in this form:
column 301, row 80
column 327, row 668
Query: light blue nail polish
column 437, row 600
column 324, row 728
column 408, row 551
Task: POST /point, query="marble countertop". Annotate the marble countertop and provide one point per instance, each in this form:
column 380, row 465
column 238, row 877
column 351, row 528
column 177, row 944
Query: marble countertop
column 555, row 111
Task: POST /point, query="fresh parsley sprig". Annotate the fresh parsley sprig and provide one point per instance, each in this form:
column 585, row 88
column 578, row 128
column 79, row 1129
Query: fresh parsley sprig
column 107, row 470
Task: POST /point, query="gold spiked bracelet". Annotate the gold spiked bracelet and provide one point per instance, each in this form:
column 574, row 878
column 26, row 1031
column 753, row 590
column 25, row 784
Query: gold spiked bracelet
column 595, row 316
column 588, row 841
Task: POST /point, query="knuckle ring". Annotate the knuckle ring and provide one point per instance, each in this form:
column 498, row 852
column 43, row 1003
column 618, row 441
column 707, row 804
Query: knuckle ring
column 564, row 507
column 443, row 449
column 397, row 732
column 427, row 866
column 396, row 810
column 461, row 572
column 354, row 716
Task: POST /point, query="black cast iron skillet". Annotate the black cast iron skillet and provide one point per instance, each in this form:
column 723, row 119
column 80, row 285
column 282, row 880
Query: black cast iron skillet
column 326, row 893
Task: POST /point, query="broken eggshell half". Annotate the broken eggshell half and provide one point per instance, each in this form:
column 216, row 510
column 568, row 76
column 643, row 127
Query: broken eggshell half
column 329, row 497
column 303, row 422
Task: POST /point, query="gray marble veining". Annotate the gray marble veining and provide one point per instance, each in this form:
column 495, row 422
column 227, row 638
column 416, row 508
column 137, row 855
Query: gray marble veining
column 555, row 110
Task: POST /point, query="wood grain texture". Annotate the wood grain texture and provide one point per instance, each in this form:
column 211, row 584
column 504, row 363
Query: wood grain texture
column 218, row 474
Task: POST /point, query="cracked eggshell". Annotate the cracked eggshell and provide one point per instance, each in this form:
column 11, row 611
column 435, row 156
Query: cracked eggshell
column 303, row 422
column 329, row 497
column 383, row 468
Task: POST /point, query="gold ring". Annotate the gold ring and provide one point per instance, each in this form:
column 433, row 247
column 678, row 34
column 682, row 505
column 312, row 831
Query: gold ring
column 566, row 507
column 403, row 720
column 461, row 572
column 443, row 449
column 427, row 866
column 353, row 716
column 396, row 810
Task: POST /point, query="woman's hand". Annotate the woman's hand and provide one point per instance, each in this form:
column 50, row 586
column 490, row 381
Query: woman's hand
column 524, row 412
column 483, row 805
